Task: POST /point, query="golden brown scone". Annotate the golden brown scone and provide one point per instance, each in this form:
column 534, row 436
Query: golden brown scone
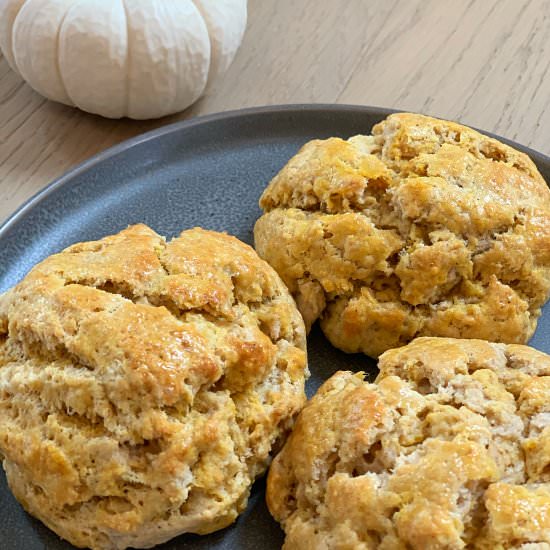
column 424, row 228
column 143, row 384
column 449, row 449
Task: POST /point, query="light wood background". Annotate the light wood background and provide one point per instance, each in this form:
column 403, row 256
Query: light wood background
column 483, row 62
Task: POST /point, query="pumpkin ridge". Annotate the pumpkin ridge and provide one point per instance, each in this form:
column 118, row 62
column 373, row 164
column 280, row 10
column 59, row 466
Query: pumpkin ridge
column 57, row 52
column 9, row 50
column 207, row 30
column 177, row 52
column 128, row 59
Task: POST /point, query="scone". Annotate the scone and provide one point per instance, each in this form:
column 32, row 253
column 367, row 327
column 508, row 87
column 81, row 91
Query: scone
column 144, row 384
column 424, row 228
column 450, row 449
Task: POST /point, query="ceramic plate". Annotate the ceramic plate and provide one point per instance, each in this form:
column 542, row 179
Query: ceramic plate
column 210, row 172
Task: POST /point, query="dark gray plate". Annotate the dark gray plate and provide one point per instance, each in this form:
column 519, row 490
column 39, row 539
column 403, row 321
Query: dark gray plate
column 209, row 172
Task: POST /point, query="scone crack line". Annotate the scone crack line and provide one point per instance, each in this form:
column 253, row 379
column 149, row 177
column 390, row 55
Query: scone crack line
column 159, row 251
column 154, row 292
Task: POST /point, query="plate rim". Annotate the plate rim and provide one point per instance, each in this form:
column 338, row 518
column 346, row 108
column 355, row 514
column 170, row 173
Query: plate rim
column 64, row 181
column 187, row 124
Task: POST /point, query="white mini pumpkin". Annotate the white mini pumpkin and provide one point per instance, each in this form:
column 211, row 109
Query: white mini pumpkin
column 136, row 58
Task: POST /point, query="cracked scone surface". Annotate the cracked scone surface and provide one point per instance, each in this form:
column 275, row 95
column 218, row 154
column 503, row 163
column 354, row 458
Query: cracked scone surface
column 424, row 228
column 449, row 449
column 143, row 384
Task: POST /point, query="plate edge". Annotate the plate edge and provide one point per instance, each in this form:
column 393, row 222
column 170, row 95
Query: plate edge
column 108, row 153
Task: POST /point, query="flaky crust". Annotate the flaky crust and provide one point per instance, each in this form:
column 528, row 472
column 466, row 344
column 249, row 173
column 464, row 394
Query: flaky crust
column 424, row 228
column 143, row 384
column 449, row 449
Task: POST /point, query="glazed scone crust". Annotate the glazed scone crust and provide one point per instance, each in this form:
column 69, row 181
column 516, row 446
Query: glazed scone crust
column 447, row 450
column 143, row 384
column 426, row 227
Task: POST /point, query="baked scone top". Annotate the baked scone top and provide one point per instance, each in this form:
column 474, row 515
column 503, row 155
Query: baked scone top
column 449, row 449
column 426, row 227
column 143, row 384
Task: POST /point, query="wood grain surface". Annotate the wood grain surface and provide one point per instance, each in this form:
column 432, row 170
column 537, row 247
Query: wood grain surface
column 485, row 63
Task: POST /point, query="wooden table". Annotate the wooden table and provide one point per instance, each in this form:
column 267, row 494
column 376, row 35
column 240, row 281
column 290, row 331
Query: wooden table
column 483, row 62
